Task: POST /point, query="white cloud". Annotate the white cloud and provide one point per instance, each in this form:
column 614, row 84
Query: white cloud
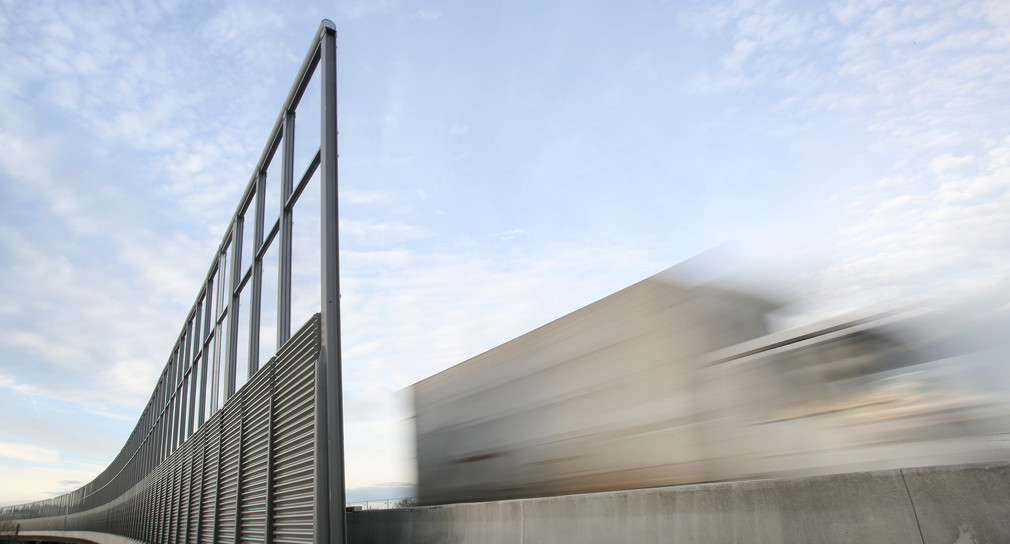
column 30, row 453
column 356, row 9
column 927, row 241
column 357, row 196
column 23, row 484
column 946, row 163
column 386, row 233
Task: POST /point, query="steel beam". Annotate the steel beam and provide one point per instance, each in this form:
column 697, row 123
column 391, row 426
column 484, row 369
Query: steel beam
column 330, row 513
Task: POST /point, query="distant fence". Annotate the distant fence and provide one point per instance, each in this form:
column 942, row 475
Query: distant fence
column 227, row 450
column 383, row 504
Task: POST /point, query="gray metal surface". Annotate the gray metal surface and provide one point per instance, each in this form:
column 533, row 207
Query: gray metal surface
column 213, row 459
column 329, row 414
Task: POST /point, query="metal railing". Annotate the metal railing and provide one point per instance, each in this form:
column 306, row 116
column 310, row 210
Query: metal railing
column 227, row 449
column 383, row 504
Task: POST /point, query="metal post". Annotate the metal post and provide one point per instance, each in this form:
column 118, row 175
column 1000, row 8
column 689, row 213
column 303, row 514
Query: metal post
column 330, row 511
column 219, row 335
column 191, row 381
column 285, row 234
column 205, row 353
column 255, row 301
column 170, row 406
column 233, row 310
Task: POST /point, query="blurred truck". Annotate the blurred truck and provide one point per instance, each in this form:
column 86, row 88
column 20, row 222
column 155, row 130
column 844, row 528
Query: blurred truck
column 663, row 384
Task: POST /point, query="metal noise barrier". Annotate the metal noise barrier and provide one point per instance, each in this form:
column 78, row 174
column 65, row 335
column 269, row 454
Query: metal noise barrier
column 248, row 471
column 214, row 460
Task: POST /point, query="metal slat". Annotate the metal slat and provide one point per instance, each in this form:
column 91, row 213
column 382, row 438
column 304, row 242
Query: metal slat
column 254, row 458
column 209, row 495
column 175, row 504
column 184, row 492
column 196, row 491
column 294, row 438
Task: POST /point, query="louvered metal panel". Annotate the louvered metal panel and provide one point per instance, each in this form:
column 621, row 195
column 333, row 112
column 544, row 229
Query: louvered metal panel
column 229, row 478
column 163, row 510
column 196, row 490
column 250, row 467
column 255, row 455
column 294, row 419
column 184, row 492
column 176, row 503
column 209, row 497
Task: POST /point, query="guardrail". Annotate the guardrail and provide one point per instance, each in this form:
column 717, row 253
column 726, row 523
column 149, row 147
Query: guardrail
column 227, row 449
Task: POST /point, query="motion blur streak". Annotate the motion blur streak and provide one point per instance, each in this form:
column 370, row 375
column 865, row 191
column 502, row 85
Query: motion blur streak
column 668, row 382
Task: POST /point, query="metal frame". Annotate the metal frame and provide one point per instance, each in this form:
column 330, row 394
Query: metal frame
column 150, row 489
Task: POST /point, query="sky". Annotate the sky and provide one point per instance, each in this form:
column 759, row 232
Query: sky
column 501, row 165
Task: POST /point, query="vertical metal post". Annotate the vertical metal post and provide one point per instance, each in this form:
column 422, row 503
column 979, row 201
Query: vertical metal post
column 183, row 407
column 190, row 372
column 159, row 425
column 286, row 227
column 194, row 379
column 255, row 301
column 166, row 414
column 170, row 406
column 178, row 407
column 233, row 310
column 205, row 359
column 330, row 512
column 219, row 336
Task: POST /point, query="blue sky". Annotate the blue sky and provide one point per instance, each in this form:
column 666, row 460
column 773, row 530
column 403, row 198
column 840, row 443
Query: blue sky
column 501, row 165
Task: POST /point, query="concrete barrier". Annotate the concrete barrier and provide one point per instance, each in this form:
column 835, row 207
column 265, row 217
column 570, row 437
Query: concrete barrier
column 963, row 504
column 75, row 537
column 934, row 504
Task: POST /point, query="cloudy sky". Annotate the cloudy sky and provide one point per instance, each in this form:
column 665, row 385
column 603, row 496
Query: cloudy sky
column 501, row 165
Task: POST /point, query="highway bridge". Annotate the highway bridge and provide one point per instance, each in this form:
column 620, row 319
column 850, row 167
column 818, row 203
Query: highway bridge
column 233, row 448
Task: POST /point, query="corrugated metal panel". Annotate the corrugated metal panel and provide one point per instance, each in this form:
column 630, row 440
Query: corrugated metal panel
column 163, row 509
column 294, row 446
column 231, row 469
column 176, row 504
column 196, row 489
column 226, row 503
column 210, row 459
column 185, row 491
column 255, row 449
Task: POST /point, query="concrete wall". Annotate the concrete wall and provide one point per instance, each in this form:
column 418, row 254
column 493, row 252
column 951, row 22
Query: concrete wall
column 952, row 504
column 75, row 537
